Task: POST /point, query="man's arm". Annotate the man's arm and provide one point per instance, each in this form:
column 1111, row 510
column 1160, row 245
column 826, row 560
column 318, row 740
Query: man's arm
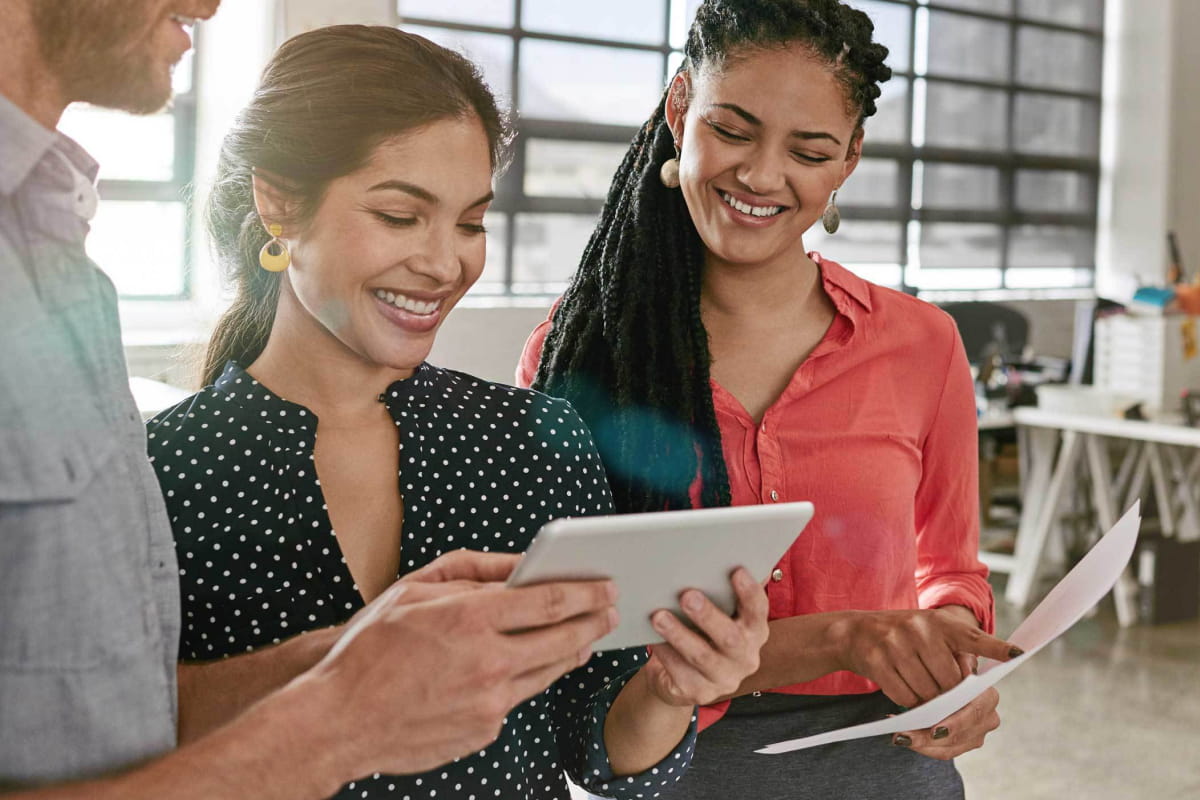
column 213, row 693
column 425, row 674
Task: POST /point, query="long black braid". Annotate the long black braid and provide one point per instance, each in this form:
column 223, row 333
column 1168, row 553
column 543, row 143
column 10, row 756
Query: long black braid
column 628, row 346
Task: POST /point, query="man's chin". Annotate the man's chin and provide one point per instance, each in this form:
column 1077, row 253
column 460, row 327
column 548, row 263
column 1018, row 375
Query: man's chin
column 143, row 92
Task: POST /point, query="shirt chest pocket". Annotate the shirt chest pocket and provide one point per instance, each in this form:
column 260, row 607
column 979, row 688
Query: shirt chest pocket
column 74, row 579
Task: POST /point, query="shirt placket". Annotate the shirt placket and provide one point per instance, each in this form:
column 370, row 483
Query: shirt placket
column 772, row 489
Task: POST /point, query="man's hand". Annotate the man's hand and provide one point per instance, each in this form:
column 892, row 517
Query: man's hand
column 430, row 669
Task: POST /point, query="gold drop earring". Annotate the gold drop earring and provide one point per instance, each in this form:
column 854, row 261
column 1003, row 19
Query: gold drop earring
column 274, row 256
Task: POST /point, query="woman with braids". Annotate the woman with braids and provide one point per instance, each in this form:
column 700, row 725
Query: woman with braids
column 325, row 458
column 717, row 362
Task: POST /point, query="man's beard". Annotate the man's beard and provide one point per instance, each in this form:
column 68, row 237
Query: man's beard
column 100, row 51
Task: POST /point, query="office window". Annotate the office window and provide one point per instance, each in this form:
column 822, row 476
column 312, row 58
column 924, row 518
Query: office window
column 140, row 231
column 980, row 170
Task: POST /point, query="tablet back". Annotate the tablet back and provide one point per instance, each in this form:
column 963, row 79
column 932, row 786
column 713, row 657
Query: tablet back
column 653, row 558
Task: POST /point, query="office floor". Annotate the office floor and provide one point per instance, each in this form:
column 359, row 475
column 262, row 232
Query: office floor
column 1101, row 714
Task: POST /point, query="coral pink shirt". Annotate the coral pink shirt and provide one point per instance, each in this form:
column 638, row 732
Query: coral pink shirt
column 878, row 429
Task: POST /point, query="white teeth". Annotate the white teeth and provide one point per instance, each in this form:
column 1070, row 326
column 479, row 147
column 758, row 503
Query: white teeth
column 746, row 208
column 182, row 20
column 407, row 303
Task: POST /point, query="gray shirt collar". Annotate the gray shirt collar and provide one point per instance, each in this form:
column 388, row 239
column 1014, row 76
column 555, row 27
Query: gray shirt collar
column 24, row 142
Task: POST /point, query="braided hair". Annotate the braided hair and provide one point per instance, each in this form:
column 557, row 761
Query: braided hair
column 627, row 345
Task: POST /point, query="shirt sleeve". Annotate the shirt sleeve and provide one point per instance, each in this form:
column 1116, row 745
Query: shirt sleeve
column 947, row 504
column 583, row 697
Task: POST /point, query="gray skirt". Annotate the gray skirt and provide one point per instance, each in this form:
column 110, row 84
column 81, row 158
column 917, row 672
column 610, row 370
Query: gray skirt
column 726, row 767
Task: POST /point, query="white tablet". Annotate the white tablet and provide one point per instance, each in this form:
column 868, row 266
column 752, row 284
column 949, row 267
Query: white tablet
column 654, row 557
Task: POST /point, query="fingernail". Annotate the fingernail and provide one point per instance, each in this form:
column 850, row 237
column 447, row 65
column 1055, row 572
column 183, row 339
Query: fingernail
column 613, row 618
column 691, row 601
column 610, row 589
column 1015, row 652
column 900, row 740
column 661, row 621
column 742, row 579
column 941, row 732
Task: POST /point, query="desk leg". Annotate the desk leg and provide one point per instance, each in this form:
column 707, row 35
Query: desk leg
column 1039, row 514
column 1162, row 488
column 1125, row 591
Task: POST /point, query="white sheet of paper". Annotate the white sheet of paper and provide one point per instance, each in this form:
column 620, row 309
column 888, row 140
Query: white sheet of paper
column 1082, row 588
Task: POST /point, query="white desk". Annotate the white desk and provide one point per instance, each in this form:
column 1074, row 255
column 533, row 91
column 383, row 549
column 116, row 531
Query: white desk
column 1156, row 456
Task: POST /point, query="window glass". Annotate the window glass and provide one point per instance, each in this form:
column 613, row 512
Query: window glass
column 858, row 242
column 1056, row 191
column 967, row 47
column 589, row 84
column 492, row 279
column 548, row 249
column 890, row 122
column 875, row 182
column 570, row 169
column 961, row 186
column 893, row 29
column 140, row 246
column 1051, row 246
column 1061, row 126
column 1082, row 13
column 953, row 244
column 494, row 13
column 493, row 54
column 620, row 20
column 966, row 117
column 1058, row 60
column 129, row 148
column 990, row 6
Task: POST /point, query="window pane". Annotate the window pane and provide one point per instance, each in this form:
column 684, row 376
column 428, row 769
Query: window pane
column 890, row 123
column 951, row 244
column 498, row 13
column 181, row 76
column 949, row 279
column 622, row 20
column 1057, row 126
column 967, row 47
column 491, row 52
column 893, row 29
column 588, row 83
column 991, row 6
column 875, row 182
column 128, row 147
column 961, row 186
column 548, row 249
column 963, row 116
column 1060, row 278
column 1084, row 13
column 140, row 246
column 858, row 242
column 492, row 279
column 1051, row 246
column 682, row 14
column 1056, row 191
column 570, row 169
column 1058, row 60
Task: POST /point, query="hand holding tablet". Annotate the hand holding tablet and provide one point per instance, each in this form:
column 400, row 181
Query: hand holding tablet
column 654, row 558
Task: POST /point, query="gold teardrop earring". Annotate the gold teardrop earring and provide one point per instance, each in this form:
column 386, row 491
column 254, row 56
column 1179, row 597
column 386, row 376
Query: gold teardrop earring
column 274, row 256
column 669, row 172
column 831, row 218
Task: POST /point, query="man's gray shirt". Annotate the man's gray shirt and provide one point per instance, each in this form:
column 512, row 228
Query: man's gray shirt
column 89, row 597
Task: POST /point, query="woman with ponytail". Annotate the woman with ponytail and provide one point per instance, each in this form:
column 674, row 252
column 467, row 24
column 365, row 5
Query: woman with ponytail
column 325, row 459
column 718, row 362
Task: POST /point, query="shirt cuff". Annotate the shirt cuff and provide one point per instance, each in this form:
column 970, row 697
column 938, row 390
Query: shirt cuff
column 963, row 592
column 598, row 776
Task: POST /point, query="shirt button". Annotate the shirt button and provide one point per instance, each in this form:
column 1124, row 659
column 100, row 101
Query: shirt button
column 775, row 495
column 777, row 575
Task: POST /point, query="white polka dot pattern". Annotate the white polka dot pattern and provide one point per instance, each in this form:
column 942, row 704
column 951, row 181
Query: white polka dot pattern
column 481, row 466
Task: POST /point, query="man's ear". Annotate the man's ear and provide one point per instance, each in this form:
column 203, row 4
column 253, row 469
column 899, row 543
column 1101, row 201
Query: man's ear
column 678, row 99
column 273, row 203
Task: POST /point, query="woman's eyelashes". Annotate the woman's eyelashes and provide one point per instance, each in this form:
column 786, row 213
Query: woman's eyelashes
column 731, row 136
column 393, row 221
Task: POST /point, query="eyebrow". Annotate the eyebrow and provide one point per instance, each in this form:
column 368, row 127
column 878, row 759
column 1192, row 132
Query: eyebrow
column 422, row 194
column 753, row 120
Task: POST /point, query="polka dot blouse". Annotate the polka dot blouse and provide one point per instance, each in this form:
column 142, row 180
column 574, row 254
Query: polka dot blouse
column 482, row 466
